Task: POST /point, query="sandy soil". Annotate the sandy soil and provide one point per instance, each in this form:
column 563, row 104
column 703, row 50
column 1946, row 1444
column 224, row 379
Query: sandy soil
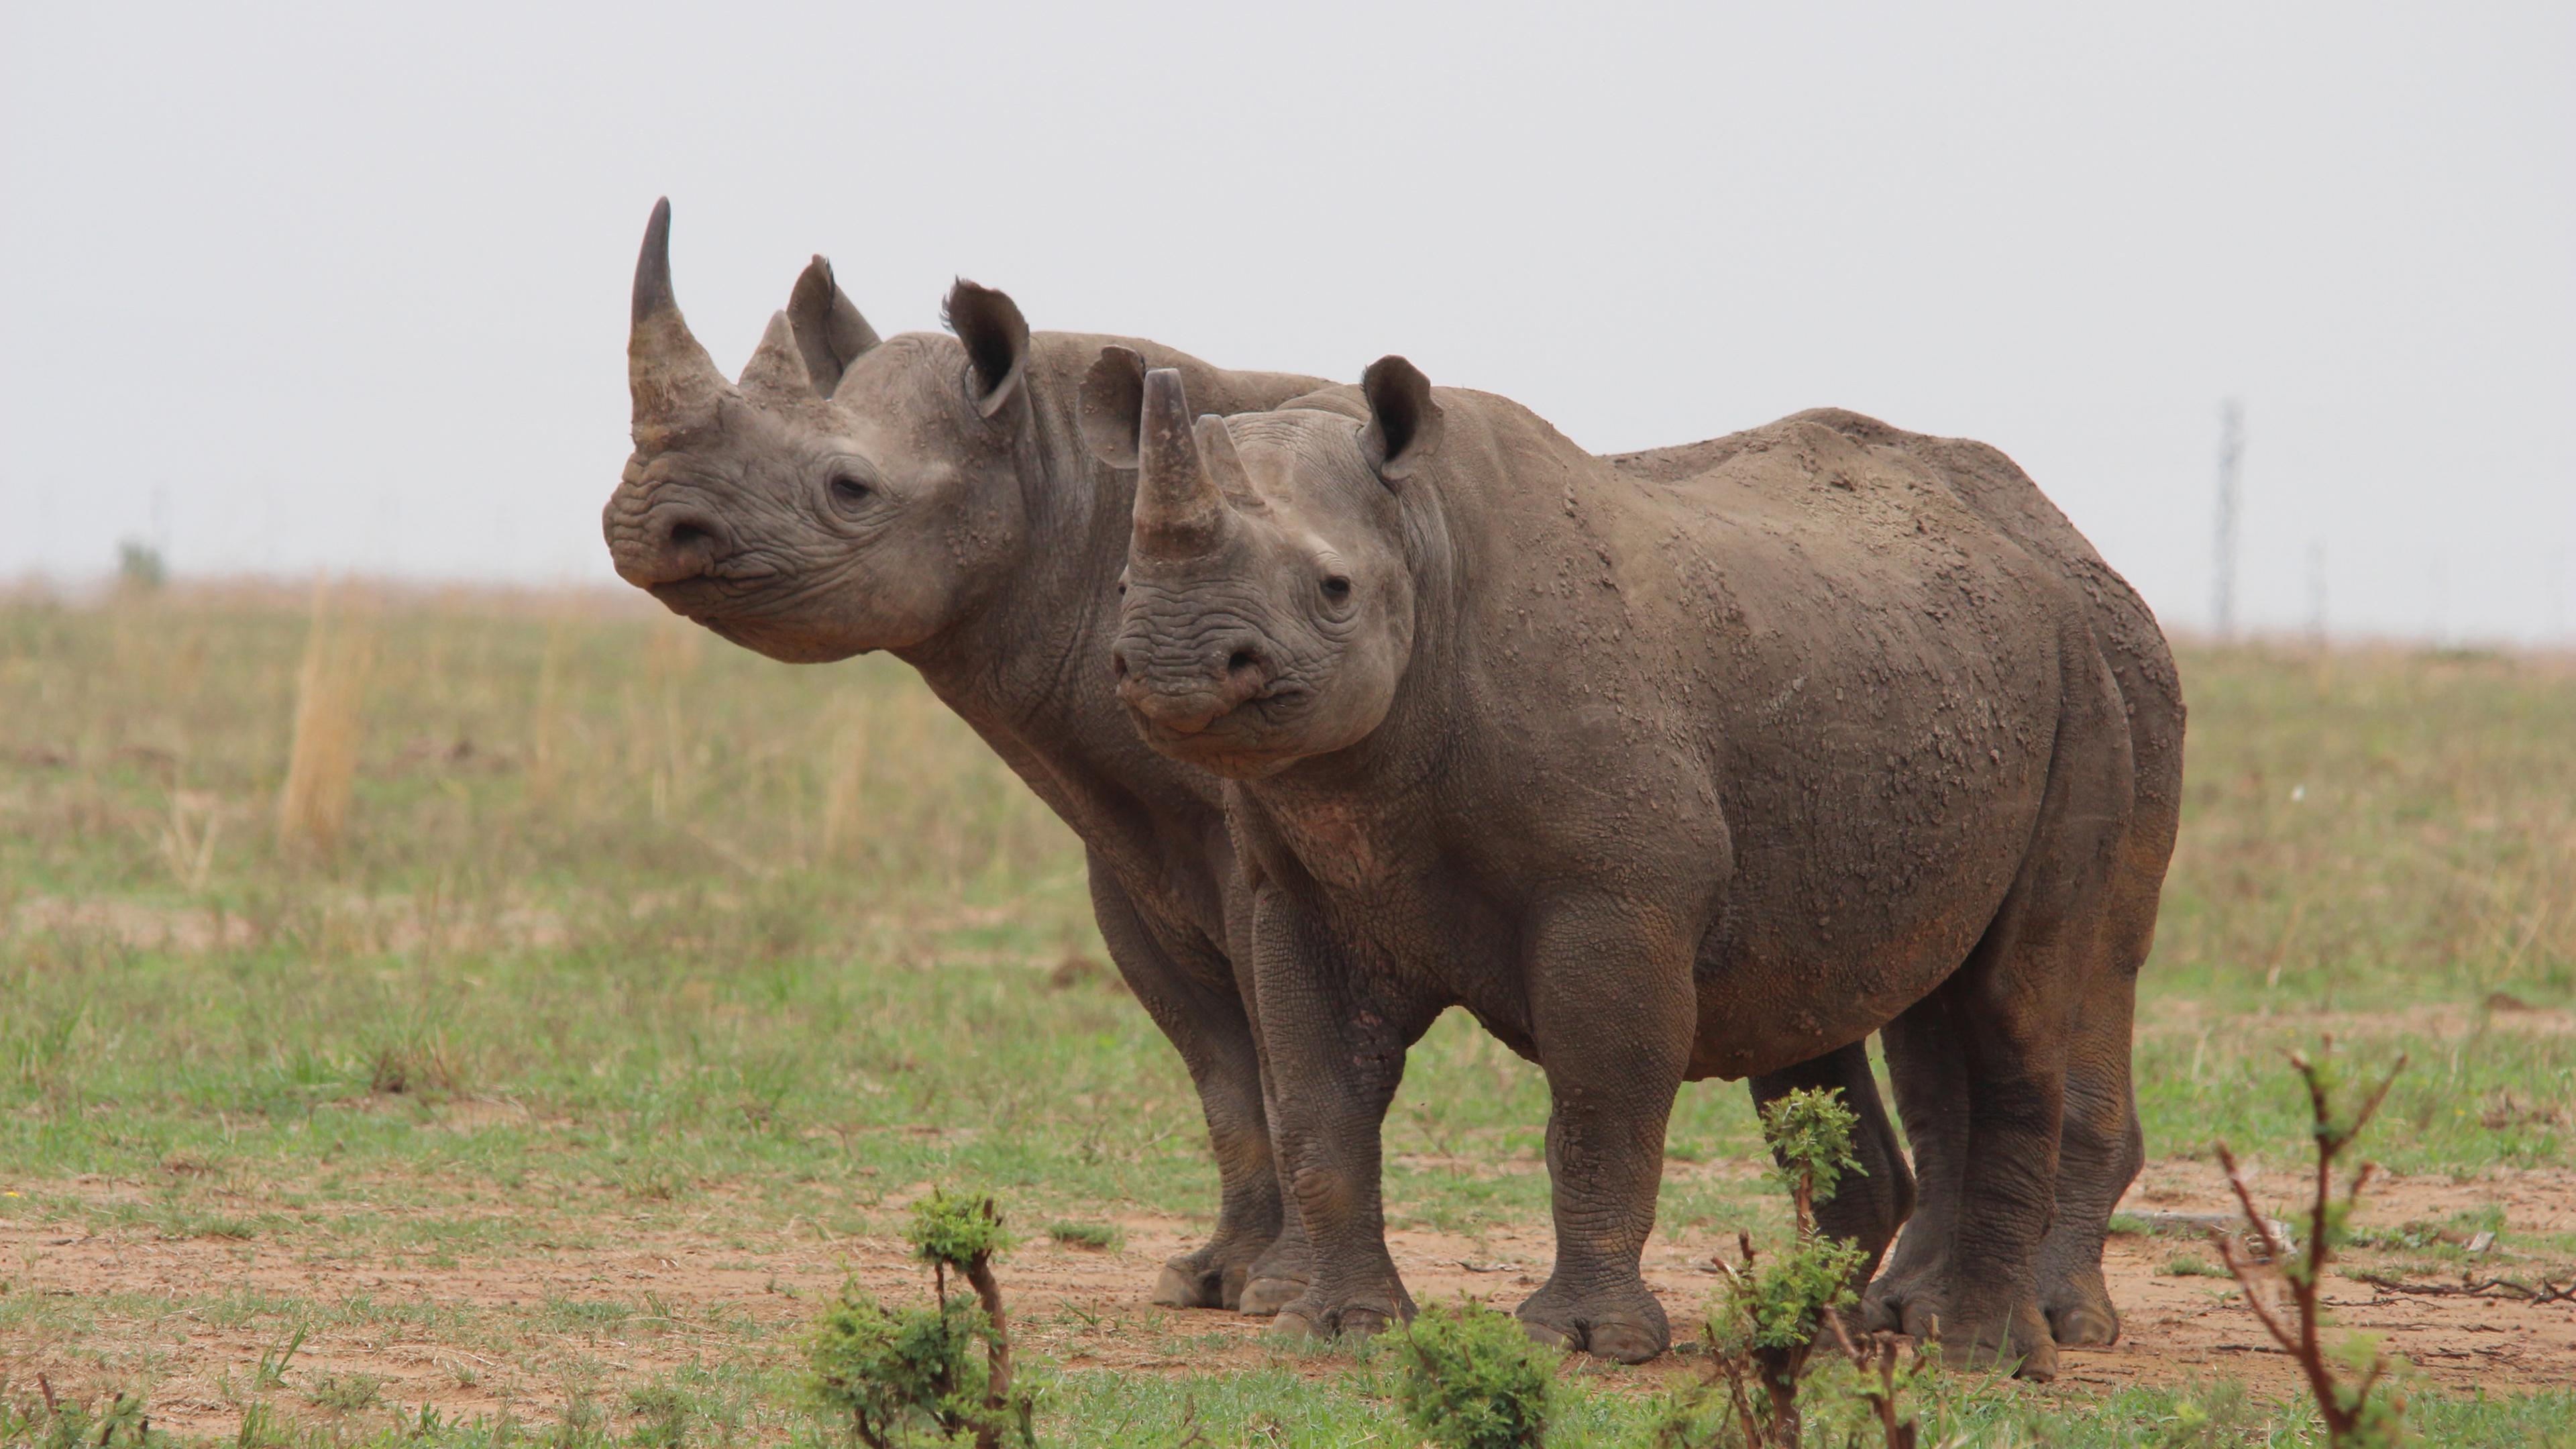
column 1087, row 1308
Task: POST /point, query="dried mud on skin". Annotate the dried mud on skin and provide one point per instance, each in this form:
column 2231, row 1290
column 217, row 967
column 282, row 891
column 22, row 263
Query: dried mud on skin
column 1086, row 1310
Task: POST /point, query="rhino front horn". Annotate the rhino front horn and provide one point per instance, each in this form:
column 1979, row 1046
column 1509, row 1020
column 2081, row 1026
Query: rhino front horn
column 1179, row 510
column 674, row 381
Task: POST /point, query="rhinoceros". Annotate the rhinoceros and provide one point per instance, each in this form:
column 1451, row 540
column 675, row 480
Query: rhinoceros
column 928, row 495
column 1660, row 779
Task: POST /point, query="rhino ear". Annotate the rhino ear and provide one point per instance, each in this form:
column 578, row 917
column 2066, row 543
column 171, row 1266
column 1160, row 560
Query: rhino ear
column 829, row 330
column 1113, row 405
column 997, row 342
column 1404, row 423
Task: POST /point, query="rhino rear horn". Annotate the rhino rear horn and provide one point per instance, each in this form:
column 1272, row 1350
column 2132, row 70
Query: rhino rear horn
column 1179, row 510
column 829, row 330
column 674, row 382
column 1113, row 405
column 777, row 368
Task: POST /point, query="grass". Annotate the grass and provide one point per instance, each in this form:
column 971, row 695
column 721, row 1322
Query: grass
column 631, row 938
column 1098, row 1237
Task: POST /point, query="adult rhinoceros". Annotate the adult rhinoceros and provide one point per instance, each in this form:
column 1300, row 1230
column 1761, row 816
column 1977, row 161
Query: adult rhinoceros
column 1658, row 779
column 928, row 495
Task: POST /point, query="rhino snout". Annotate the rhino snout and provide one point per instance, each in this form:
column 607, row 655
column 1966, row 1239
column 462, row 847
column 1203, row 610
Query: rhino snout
column 665, row 544
column 1186, row 695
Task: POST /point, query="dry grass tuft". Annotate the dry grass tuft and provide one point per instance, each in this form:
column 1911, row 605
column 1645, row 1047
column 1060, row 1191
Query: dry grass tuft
column 545, row 742
column 412, row 1067
column 844, row 817
column 322, row 769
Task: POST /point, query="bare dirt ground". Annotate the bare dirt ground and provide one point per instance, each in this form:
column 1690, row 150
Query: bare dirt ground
column 700, row 1296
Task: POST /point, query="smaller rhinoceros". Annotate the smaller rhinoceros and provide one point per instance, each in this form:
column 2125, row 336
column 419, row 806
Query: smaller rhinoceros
column 1659, row 780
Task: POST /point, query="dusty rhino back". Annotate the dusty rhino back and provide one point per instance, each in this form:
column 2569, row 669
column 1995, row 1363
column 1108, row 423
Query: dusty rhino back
column 1994, row 488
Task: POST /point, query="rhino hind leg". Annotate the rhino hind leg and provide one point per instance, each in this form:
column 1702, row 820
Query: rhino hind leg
column 1216, row 1274
column 2099, row 1154
column 1206, row 1022
column 2103, row 1145
column 2014, row 1078
column 1930, row 1074
column 1980, row 1294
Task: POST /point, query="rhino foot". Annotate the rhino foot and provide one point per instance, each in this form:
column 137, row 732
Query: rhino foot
column 2018, row 1336
column 1265, row 1297
column 1190, row 1282
column 1279, row 1276
column 2079, row 1309
column 2076, row 1312
column 1971, row 1334
column 1910, row 1305
column 1358, row 1315
column 1625, row 1324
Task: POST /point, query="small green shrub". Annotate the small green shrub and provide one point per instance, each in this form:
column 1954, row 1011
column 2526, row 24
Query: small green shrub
column 1473, row 1379
column 956, row 1232
column 1765, row 1322
column 905, row 1376
column 1779, row 1304
column 916, row 1376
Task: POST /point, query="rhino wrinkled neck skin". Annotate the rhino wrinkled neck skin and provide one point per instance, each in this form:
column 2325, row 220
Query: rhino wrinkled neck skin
column 1015, row 646
column 1029, row 657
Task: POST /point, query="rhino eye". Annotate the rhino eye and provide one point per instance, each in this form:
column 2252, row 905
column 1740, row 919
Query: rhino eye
column 850, row 490
column 1337, row 589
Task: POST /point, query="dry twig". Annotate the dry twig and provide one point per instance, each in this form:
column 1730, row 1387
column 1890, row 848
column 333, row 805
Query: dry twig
column 2346, row 1412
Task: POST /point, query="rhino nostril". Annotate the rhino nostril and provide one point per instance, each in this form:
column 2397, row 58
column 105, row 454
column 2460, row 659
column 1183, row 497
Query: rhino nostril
column 1241, row 660
column 687, row 534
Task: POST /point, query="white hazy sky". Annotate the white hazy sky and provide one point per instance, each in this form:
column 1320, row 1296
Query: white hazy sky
column 345, row 285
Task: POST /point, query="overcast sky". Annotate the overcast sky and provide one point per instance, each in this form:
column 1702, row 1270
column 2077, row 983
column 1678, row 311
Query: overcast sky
column 346, row 285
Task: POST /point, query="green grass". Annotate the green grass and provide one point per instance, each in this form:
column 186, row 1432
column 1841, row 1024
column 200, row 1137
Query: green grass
column 636, row 934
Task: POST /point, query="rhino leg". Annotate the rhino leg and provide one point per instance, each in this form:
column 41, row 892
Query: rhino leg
column 2100, row 1152
column 2021, row 1009
column 1206, row 1021
column 2104, row 1147
column 1335, row 1041
column 1613, row 1013
column 1930, row 1075
column 2015, row 1029
column 1281, row 1274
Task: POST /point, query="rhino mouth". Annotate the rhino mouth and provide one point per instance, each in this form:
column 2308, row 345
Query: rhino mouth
column 721, row 607
column 787, row 646
column 1261, row 731
column 701, row 599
